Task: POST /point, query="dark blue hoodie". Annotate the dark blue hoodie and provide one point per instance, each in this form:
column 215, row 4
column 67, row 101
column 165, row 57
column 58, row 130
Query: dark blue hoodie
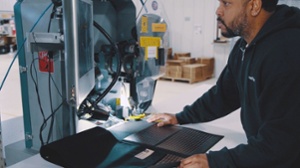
column 264, row 81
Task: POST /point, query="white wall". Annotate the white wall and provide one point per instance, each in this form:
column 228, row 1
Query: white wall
column 192, row 25
column 7, row 5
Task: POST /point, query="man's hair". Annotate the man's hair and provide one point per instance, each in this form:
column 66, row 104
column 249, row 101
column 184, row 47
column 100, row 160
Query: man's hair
column 269, row 5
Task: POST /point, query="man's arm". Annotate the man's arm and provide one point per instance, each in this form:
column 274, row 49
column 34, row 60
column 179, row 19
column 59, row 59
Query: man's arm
column 276, row 144
column 217, row 102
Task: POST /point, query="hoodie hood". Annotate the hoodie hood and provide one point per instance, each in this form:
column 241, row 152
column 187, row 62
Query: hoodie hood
column 285, row 17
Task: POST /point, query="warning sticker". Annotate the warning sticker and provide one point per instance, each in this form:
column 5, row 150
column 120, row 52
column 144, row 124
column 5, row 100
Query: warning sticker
column 159, row 27
column 45, row 63
column 144, row 154
column 151, row 52
column 149, row 41
column 144, row 26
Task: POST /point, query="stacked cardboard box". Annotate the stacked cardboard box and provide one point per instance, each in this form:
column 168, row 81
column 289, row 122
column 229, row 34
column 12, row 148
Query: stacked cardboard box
column 183, row 67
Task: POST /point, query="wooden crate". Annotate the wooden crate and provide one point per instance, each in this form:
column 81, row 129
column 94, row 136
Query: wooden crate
column 186, row 54
column 174, row 71
column 187, row 60
column 193, row 72
column 210, row 62
column 175, row 62
column 170, row 53
column 178, row 79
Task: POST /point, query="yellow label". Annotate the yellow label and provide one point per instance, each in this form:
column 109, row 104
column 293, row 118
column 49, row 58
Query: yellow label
column 149, row 41
column 144, row 26
column 159, row 27
column 118, row 101
column 150, row 45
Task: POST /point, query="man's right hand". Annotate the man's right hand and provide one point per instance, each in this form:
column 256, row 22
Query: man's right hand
column 163, row 119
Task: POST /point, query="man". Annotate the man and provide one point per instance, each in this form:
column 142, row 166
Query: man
column 262, row 77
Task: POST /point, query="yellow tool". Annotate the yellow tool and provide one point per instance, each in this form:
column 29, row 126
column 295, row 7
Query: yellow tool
column 136, row 117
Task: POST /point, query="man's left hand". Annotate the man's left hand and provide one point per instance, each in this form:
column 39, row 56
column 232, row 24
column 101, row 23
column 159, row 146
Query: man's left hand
column 196, row 161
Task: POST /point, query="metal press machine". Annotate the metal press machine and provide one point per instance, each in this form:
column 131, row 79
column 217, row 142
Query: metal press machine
column 90, row 60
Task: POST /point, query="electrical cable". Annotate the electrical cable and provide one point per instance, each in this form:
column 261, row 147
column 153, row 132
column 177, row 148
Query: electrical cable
column 45, row 120
column 22, row 45
column 36, row 85
column 55, row 85
column 83, row 106
column 35, row 81
column 54, row 111
column 116, row 76
column 143, row 7
column 50, row 117
column 49, row 79
column 107, row 36
column 50, row 98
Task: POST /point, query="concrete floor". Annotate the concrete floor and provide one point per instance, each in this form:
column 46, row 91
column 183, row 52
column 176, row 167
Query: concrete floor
column 10, row 102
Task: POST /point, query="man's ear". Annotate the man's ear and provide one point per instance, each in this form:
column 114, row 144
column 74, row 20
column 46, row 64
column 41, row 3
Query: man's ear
column 256, row 7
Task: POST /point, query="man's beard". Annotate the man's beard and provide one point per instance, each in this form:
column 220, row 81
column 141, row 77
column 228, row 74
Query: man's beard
column 229, row 32
column 237, row 27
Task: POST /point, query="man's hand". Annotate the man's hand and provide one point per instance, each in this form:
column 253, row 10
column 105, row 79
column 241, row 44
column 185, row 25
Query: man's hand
column 195, row 161
column 163, row 119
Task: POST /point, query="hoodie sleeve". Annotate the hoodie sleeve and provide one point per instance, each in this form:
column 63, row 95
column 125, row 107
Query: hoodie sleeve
column 217, row 102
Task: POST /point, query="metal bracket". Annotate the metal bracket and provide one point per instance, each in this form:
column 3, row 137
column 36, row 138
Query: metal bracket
column 50, row 41
column 50, row 38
